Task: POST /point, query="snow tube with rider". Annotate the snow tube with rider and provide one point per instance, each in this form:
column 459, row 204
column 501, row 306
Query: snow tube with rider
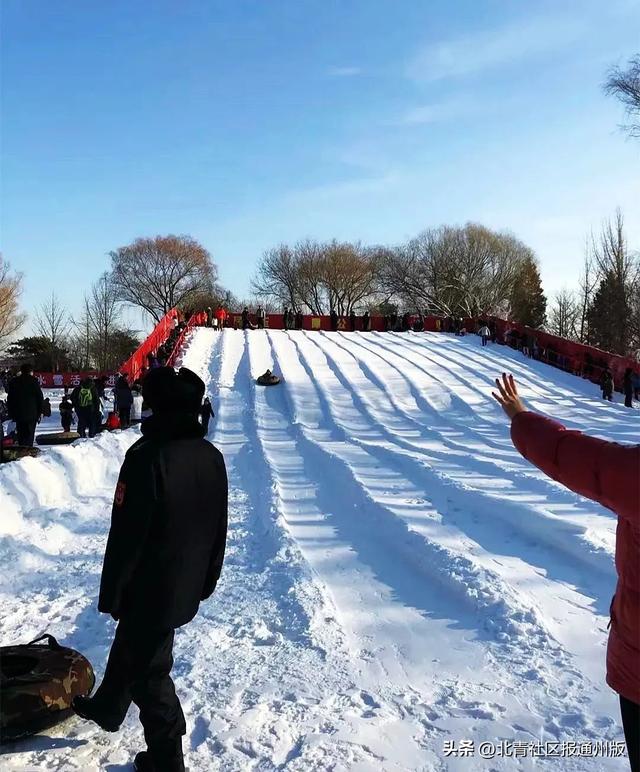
column 267, row 379
column 37, row 684
column 57, row 438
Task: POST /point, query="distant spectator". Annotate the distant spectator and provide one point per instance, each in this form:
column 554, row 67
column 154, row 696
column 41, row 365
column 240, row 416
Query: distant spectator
column 46, row 407
column 636, row 385
column 221, row 316
column 627, row 387
column 484, row 333
column 206, row 414
column 606, row 384
column 246, row 324
column 260, row 316
column 352, row 321
column 123, row 402
column 333, row 318
column 86, row 404
column 366, row 321
column 25, row 403
column 299, row 319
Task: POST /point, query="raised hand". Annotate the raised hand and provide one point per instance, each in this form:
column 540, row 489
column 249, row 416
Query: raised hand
column 507, row 396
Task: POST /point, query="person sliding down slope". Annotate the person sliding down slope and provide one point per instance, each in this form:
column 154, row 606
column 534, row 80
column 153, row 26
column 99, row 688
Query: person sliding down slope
column 609, row 474
column 164, row 555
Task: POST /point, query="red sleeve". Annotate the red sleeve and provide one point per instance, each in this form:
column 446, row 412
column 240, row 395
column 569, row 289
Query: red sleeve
column 603, row 471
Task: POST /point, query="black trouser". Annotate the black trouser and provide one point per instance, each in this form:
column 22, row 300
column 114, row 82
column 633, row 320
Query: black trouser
column 484, row 340
column 205, row 425
column 86, row 421
column 65, row 420
column 631, row 724
column 125, row 417
column 138, row 670
column 26, row 431
column 628, row 397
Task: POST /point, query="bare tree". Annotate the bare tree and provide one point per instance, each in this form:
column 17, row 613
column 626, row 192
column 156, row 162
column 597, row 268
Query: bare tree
column 11, row 319
column 625, row 85
column 161, row 273
column 102, row 309
column 564, row 314
column 277, row 276
column 451, row 271
column 587, row 285
column 52, row 324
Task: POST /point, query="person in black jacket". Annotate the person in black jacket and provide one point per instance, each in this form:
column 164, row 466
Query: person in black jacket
column 333, row 317
column 86, row 403
column 206, row 414
column 627, row 387
column 25, row 403
column 123, row 402
column 164, row 556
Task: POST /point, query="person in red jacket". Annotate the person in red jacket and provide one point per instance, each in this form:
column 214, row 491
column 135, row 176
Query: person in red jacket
column 608, row 473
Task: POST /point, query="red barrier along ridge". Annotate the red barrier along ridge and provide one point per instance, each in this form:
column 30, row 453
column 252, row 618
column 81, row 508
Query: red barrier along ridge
column 134, row 367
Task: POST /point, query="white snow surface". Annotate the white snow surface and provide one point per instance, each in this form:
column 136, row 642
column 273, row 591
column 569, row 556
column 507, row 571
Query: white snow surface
column 397, row 575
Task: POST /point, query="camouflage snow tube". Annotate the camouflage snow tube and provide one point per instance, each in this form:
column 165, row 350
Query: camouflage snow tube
column 57, row 438
column 16, row 452
column 37, row 684
column 267, row 380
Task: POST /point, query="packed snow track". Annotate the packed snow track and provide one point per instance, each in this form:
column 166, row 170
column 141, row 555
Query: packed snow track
column 397, row 576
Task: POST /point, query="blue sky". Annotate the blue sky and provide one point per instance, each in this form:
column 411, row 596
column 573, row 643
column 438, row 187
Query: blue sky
column 245, row 124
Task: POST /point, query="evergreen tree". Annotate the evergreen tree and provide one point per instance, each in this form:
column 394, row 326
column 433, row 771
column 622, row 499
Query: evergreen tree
column 528, row 302
column 609, row 315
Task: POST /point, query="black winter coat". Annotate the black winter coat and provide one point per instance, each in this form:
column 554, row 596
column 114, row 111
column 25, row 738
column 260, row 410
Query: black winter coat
column 24, row 398
column 168, row 525
column 124, row 397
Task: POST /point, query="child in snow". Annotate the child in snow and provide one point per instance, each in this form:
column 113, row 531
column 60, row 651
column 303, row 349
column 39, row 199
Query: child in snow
column 46, row 407
column 66, row 413
column 605, row 472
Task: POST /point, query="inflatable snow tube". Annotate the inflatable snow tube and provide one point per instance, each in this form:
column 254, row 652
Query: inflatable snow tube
column 37, row 684
column 267, row 380
column 15, row 452
column 57, row 438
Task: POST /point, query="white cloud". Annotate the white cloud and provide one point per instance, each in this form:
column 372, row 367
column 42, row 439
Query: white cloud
column 344, row 72
column 435, row 113
column 486, row 49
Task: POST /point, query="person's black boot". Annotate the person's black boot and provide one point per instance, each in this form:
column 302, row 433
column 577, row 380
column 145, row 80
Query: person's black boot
column 143, row 763
column 86, row 708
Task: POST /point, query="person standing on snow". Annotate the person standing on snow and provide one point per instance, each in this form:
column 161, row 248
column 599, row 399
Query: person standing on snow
column 84, row 398
column 484, row 333
column 206, row 414
column 123, row 402
column 606, row 384
column 366, row 321
column 164, row 556
column 352, row 321
column 627, row 387
column 333, row 318
column 66, row 413
column 605, row 472
column 246, row 324
column 260, row 317
column 25, row 404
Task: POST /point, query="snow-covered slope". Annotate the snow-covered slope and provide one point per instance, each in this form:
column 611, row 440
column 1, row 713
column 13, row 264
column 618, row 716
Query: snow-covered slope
column 397, row 575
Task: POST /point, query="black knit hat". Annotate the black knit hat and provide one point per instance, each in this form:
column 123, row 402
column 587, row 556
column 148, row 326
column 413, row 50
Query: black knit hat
column 166, row 391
